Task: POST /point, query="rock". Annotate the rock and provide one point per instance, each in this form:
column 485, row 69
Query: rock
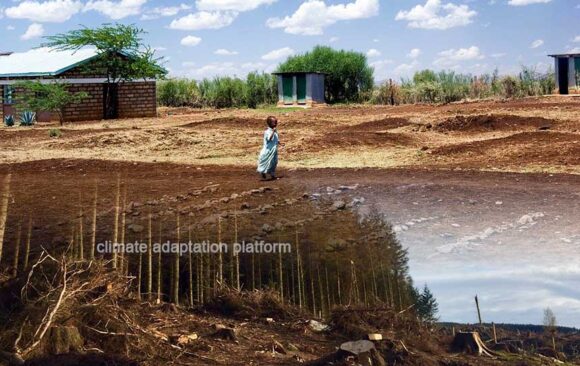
column 317, row 326
column 498, row 203
column 338, row 205
column 183, row 339
column 270, row 320
column 348, row 188
column 136, row 228
column 357, row 347
column 234, row 196
column 225, row 200
column 245, row 206
column 267, row 228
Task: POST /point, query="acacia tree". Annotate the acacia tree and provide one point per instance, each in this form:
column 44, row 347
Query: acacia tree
column 51, row 97
column 121, row 54
column 348, row 75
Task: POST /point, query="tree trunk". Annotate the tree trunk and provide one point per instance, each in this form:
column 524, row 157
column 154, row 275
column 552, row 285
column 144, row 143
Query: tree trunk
column 149, row 257
column 28, row 239
column 159, row 266
column 122, row 264
column 94, row 231
column 81, row 232
column 17, row 250
column 175, row 290
column 4, row 209
column 116, row 223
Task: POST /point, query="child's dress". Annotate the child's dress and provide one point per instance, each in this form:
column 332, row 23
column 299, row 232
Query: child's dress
column 268, row 159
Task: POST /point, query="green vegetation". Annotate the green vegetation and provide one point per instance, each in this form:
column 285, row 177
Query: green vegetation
column 428, row 86
column 349, row 78
column 257, row 90
column 54, row 132
column 426, row 305
column 51, row 97
column 9, row 120
column 121, row 54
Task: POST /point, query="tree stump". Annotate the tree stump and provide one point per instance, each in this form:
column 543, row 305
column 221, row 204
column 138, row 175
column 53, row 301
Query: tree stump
column 470, row 342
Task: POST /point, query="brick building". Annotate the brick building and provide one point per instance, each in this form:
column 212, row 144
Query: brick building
column 128, row 99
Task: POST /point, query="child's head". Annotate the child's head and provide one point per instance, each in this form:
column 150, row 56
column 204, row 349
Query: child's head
column 272, row 121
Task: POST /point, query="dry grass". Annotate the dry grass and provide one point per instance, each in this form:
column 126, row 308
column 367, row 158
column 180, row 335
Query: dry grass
column 314, row 138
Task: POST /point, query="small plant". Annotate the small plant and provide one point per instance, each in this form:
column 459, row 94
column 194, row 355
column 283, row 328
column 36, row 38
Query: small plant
column 27, row 118
column 54, row 132
column 9, row 120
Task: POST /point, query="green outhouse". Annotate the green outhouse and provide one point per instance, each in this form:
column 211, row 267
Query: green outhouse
column 304, row 89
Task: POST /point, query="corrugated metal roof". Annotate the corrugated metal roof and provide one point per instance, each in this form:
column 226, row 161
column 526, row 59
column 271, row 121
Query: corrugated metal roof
column 565, row 55
column 42, row 62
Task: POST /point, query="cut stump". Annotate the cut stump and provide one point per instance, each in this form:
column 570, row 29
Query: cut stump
column 470, row 342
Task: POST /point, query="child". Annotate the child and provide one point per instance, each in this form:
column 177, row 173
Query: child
column 268, row 159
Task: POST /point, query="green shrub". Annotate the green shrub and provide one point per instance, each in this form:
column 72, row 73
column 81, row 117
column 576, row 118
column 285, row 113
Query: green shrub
column 9, row 120
column 54, row 132
column 27, row 118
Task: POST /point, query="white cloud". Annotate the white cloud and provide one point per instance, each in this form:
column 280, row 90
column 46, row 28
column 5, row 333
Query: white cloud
column 574, row 50
column 381, row 68
column 34, row 30
column 10, row 28
column 333, row 39
column 414, row 53
column 224, row 52
column 537, row 43
column 406, row 69
column 204, row 20
column 527, row 2
column 449, row 57
column 435, row 15
column 167, row 11
column 376, row 40
column 190, row 41
column 314, row 15
column 576, row 39
column 223, row 69
column 373, row 53
column 278, row 54
column 232, row 5
column 55, row 11
column 116, row 10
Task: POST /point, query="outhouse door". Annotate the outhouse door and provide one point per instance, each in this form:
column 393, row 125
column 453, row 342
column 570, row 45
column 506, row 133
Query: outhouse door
column 301, row 89
column 563, row 75
column 288, row 89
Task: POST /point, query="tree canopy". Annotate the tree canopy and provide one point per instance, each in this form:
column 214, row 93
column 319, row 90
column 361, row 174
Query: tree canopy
column 121, row 53
column 348, row 75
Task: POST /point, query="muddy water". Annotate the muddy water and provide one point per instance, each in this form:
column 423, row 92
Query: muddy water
column 514, row 243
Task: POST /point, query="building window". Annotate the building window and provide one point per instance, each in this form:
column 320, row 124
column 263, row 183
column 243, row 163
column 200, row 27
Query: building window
column 7, row 96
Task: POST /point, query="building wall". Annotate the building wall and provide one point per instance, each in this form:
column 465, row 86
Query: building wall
column 137, row 99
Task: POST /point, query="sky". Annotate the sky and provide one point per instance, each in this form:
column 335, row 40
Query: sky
column 205, row 38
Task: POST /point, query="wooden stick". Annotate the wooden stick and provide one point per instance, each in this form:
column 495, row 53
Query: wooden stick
column 27, row 248
column 4, row 209
column 478, row 311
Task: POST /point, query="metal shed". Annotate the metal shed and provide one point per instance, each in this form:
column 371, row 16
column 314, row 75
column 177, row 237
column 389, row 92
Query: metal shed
column 567, row 71
column 304, row 89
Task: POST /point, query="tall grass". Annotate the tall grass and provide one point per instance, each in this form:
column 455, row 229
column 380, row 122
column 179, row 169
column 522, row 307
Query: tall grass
column 428, row 86
column 257, row 89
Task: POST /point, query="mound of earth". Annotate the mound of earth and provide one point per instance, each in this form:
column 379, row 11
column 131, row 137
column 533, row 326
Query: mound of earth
column 229, row 122
column 380, row 125
column 356, row 139
column 526, row 147
column 491, row 122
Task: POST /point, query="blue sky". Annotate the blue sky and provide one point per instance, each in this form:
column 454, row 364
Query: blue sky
column 204, row 38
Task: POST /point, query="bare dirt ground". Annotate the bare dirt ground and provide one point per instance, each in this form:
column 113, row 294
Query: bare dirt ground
column 530, row 135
